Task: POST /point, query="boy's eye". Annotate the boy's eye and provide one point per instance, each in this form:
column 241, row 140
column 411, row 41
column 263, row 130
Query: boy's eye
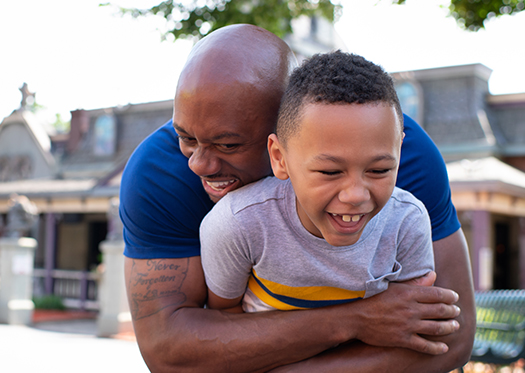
column 381, row 171
column 329, row 173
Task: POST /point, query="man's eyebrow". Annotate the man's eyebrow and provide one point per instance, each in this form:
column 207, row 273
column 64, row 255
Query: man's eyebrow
column 226, row 135
column 221, row 136
column 178, row 128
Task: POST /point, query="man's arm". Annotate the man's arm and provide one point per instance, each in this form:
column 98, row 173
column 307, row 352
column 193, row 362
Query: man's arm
column 174, row 333
column 229, row 305
column 453, row 272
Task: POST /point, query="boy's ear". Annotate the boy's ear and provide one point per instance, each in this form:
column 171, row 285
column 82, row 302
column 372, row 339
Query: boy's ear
column 275, row 150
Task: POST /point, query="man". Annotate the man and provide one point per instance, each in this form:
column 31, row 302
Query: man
column 226, row 105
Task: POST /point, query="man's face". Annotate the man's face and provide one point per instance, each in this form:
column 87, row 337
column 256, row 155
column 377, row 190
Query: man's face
column 223, row 131
column 343, row 167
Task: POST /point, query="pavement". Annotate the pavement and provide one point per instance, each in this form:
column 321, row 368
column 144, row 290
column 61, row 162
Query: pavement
column 66, row 346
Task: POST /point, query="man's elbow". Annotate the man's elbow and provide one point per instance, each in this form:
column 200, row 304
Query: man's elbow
column 159, row 358
column 461, row 346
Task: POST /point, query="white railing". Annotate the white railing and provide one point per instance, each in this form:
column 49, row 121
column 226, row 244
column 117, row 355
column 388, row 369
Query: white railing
column 78, row 289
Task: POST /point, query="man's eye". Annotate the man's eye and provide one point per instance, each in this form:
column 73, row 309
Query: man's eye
column 186, row 139
column 227, row 147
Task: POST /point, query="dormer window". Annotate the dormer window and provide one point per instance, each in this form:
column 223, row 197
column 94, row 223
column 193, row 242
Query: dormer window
column 105, row 135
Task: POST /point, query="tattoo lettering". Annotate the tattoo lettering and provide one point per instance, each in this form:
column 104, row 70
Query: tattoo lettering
column 156, row 287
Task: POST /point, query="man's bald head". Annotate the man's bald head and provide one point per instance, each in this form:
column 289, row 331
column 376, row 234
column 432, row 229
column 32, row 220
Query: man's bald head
column 239, row 54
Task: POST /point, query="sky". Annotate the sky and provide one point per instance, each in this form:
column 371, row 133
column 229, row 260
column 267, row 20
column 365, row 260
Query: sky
column 77, row 55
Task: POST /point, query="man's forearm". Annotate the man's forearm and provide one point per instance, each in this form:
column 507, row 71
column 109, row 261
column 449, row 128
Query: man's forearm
column 207, row 340
column 362, row 358
column 175, row 334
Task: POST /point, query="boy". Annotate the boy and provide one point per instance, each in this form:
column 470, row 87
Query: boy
column 330, row 227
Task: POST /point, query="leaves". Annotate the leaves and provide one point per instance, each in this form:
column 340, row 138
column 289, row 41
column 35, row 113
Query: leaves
column 471, row 14
column 197, row 18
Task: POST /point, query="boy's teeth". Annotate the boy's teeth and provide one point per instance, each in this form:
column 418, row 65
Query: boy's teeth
column 349, row 218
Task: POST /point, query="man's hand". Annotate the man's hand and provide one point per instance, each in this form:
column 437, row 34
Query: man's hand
column 425, row 280
column 397, row 317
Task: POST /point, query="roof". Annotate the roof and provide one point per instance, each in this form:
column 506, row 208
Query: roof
column 47, row 187
column 488, row 173
column 37, row 131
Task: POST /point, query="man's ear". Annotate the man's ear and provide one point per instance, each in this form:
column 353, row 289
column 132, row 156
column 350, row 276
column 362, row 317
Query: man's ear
column 275, row 149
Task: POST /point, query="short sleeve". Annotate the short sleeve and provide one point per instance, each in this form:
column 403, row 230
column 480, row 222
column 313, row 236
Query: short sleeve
column 414, row 246
column 422, row 171
column 162, row 202
column 226, row 259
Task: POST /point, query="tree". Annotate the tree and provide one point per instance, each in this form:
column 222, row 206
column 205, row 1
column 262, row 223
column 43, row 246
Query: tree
column 471, row 14
column 196, row 18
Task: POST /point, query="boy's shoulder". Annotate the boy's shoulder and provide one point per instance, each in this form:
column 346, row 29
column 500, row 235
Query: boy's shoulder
column 407, row 200
column 256, row 193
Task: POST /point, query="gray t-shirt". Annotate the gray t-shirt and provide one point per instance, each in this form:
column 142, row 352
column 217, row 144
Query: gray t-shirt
column 253, row 243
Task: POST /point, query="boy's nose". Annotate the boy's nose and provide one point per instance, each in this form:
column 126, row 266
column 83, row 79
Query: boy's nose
column 203, row 162
column 355, row 194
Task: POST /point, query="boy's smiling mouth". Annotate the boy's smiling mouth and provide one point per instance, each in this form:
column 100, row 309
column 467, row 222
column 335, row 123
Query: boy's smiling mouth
column 348, row 218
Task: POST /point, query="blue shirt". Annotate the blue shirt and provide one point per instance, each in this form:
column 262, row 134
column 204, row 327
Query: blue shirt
column 162, row 202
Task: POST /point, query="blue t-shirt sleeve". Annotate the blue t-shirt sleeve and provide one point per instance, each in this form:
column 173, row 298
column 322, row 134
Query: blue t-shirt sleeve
column 162, row 202
column 422, row 171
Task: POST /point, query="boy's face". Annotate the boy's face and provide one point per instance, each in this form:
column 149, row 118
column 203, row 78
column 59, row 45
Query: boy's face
column 343, row 166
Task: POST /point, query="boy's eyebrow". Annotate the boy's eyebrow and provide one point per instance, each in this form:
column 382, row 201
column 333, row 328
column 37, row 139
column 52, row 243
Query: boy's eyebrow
column 332, row 158
column 224, row 135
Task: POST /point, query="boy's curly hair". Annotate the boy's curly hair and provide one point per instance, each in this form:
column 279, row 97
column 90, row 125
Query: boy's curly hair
column 334, row 78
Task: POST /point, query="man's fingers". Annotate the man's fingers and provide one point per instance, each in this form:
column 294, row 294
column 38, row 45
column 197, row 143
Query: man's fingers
column 434, row 294
column 428, row 347
column 438, row 311
column 438, row 328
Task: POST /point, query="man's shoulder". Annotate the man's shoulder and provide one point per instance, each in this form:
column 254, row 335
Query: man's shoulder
column 159, row 159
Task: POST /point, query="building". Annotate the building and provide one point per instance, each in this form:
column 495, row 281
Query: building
column 73, row 179
column 482, row 139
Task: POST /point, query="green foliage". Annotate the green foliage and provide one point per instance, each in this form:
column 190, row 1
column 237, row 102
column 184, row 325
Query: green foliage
column 60, row 125
column 49, row 302
column 471, row 14
column 33, row 106
column 195, row 19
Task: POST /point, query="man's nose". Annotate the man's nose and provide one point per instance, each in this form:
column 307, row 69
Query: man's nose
column 354, row 193
column 203, row 162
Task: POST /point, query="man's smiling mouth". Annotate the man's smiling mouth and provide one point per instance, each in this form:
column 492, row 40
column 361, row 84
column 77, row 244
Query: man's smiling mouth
column 220, row 185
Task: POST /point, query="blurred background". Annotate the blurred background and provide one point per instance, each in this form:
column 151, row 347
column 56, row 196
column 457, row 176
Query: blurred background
column 83, row 83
